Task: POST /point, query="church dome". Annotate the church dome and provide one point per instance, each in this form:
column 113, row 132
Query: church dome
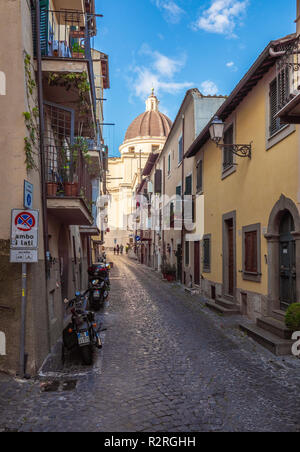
column 151, row 123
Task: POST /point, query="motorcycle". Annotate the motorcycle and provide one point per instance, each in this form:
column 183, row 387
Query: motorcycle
column 98, row 293
column 82, row 332
column 99, row 285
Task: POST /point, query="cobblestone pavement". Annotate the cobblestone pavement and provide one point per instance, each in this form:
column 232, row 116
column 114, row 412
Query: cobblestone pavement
column 168, row 364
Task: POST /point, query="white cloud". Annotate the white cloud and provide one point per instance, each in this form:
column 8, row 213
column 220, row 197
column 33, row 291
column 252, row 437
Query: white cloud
column 146, row 79
column 164, row 65
column 172, row 12
column 158, row 72
column 222, row 16
column 231, row 65
column 209, row 88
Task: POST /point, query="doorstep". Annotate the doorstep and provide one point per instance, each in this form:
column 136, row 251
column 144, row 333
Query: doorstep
column 275, row 344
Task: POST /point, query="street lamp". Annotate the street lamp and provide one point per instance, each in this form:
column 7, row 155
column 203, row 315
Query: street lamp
column 216, row 131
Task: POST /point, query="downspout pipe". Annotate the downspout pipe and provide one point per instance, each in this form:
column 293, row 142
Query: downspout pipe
column 182, row 198
column 42, row 155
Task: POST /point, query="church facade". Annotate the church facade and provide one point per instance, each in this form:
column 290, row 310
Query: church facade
column 146, row 134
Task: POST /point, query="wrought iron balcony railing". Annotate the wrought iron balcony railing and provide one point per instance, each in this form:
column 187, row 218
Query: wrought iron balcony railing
column 64, row 34
column 68, row 174
column 288, row 74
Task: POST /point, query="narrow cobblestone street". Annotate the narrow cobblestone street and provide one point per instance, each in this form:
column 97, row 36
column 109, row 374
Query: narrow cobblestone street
column 167, row 365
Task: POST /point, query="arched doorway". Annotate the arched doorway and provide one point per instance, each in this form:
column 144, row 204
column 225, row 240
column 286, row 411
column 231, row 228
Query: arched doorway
column 287, row 261
column 283, row 238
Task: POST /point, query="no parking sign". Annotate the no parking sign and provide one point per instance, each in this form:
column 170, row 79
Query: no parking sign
column 24, row 235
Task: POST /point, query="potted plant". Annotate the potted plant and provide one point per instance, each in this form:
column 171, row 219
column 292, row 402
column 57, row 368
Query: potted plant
column 292, row 318
column 52, row 188
column 78, row 51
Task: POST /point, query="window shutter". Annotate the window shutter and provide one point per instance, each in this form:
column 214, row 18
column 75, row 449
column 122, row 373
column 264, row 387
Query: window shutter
column 199, row 176
column 188, row 185
column 251, row 252
column 180, row 150
column 44, row 26
column 228, row 155
column 158, row 182
column 206, row 254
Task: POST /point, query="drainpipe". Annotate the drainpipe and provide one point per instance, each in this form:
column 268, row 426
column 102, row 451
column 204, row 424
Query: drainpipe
column 42, row 155
column 298, row 18
column 182, row 199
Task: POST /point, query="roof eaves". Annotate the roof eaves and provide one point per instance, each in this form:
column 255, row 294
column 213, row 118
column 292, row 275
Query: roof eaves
column 238, row 93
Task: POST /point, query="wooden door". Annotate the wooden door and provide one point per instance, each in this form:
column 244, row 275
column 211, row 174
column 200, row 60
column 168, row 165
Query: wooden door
column 230, row 259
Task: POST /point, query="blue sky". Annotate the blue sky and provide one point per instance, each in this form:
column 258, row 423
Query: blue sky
column 175, row 45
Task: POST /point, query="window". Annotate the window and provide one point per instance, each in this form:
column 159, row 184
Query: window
column 158, row 182
column 180, row 150
column 227, row 152
column 275, row 124
column 188, row 185
column 200, row 176
column 187, row 254
column 178, row 199
column 206, row 253
column 251, row 253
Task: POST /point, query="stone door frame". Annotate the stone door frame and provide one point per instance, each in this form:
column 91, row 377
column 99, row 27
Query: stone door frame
column 282, row 206
column 225, row 286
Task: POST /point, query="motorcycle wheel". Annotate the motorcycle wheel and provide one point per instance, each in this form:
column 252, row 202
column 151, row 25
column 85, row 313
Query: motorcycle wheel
column 87, row 355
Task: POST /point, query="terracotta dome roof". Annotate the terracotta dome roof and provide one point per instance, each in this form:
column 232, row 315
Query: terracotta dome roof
column 151, row 123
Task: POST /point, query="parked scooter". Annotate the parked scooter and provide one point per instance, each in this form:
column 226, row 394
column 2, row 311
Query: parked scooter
column 82, row 332
column 99, row 285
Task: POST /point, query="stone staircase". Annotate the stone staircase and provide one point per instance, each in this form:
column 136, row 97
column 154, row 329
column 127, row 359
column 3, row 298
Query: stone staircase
column 223, row 307
column 271, row 333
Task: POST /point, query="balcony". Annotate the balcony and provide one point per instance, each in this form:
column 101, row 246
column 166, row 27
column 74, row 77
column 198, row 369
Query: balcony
column 64, row 34
column 69, row 187
column 288, row 84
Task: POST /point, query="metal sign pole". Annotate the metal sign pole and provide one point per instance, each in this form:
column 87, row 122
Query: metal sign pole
column 23, row 320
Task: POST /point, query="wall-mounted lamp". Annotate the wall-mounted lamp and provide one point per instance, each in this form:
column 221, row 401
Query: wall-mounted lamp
column 216, row 131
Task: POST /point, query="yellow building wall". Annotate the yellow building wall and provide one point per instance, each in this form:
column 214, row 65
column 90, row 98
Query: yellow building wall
column 254, row 188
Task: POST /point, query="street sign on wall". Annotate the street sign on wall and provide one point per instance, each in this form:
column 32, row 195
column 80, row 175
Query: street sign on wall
column 28, row 195
column 24, row 236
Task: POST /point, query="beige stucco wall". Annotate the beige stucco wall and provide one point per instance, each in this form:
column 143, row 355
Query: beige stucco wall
column 254, row 188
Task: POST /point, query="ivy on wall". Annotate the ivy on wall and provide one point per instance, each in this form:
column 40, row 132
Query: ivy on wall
column 31, row 117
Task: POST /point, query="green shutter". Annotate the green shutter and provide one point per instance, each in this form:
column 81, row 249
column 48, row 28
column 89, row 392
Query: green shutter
column 44, row 26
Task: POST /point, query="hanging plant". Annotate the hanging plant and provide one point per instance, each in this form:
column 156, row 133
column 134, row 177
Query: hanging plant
column 31, row 117
column 78, row 80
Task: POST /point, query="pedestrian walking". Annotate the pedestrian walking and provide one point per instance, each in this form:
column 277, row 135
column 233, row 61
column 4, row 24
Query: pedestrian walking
column 121, row 249
column 118, row 250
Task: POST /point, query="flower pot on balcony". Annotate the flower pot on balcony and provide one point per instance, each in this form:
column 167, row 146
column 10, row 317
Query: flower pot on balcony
column 68, row 188
column 74, row 189
column 71, row 189
column 52, row 188
column 78, row 55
